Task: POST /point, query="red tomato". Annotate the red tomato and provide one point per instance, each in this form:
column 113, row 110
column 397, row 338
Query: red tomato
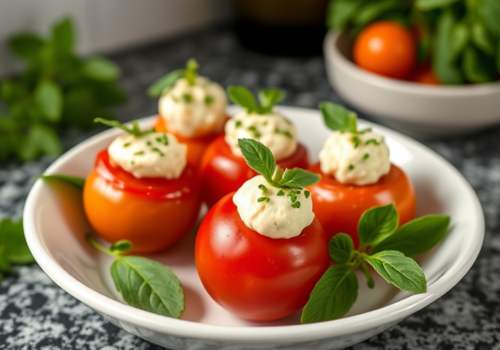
column 196, row 146
column 223, row 172
column 153, row 213
column 256, row 277
column 386, row 48
column 425, row 75
column 338, row 207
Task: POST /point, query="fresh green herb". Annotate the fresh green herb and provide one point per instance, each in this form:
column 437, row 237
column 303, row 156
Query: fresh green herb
column 166, row 82
column 267, row 99
column 372, row 142
column 139, row 153
column 307, row 194
column 384, row 247
column 280, row 193
column 75, row 181
column 209, row 100
column 13, row 247
column 338, row 118
column 127, row 144
column 283, row 132
column 238, row 124
column 187, row 98
column 157, row 150
column 263, row 199
column 263, row 188
column 163, row 139
column 296, row 204
column 366, row 156
column 256, row 133
column 56, row 90
column 143, row 283
column 132, row 129
column 351, row 167
column 260, row 159
column 356, row 141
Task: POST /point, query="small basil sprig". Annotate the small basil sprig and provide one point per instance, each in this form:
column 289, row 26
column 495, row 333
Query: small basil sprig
column 132, row 129
column 75, row 181
column 265, row 102
column 190, row 72
column 261, row 159
column 143, row 283
column 386, row 248
column 13, row 247
column 338, row 118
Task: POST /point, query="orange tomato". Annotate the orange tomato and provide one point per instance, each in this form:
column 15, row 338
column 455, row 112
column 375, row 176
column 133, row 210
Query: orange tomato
column 425, row 75
column 386, row 48
column 196, row 146
column 338, row 206
column 152, row 213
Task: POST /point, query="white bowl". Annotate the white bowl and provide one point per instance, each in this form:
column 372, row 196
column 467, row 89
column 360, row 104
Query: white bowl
column 417, row 109
column 54, row 225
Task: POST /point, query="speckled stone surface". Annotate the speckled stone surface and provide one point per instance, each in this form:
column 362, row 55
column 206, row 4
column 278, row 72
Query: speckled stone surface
column 36, row 314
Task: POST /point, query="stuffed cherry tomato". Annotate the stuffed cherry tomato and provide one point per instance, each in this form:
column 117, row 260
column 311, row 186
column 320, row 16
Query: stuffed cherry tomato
column 356, row 175
column 223, row 168
column 191, row 107
column 260, row 251
column 142, row 190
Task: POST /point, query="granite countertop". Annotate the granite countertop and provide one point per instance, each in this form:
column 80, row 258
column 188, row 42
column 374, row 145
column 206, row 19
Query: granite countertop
column 36, row 314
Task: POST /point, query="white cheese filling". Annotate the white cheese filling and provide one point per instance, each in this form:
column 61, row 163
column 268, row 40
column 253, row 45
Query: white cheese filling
column 273, row 130
column 355, row 158
column 194, row 110
column 151, row 155
column 271, row 211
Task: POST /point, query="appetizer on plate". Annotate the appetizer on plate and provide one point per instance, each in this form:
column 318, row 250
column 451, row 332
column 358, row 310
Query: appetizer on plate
column 191, row 107
column 142, row 189
column 356, row 174
column 260, row 250
column 223, row 168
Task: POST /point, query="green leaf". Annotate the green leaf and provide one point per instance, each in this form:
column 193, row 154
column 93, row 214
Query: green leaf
column 268, row 98
column 399, row 270
column 489, row 12
column 341, row 12
column 243, row 97
column 482, row 39
column 5, row 265
column 340, row 248
column 40, row 140
column 338, row 118
column 132, row 129
column 426, row 5
column 459, row 40
column 372, row 10
column 258, row 157
column 377, row 223
column 148, row 285
column 297, row 178
column 12, row 239
column 417, row 236
column 25, row 45
column 48, row 97
column 63, row 36
column 498, row 57
column 332, row 296
column 477, row 67
column 75, row 181
column 99, row 68
column 121, row 246
column 164, row 83
column 191, row 71
column 446, row 70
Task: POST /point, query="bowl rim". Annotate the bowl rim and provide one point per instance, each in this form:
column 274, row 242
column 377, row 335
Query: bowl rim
column 250, row 334
column 335, row 57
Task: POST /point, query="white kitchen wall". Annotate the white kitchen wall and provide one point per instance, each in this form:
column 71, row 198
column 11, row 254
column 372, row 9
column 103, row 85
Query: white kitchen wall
column 105, row 25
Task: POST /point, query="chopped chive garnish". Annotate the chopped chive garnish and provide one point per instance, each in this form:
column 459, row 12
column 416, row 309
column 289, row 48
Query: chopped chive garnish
column 139, row 153
column 208, row 100
column 355, row 141
column 296, row 204
column 263, row 188
column 283, row 132
column 238, row 123
column 351, row 167
column 187, row 97
column 372, row 141
column 263, row 199
column 127, row 144
column 163, row 139
column 280, row 193
column 157, row 150
column 366, row 156
column 307, row 194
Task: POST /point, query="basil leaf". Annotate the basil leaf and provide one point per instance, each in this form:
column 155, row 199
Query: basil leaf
column 63, row 37
column 399, row 270
column 482, row 39
column 377, row 223
column 258, row 157
column 164, row 83
column 26, row 45
column 49, row 98
column 489, row 12
column 5, row 265
column 41, row 140
column 416, row 236
column 297, row 178
column 338, row 118
column 477, row 67
column 243, row 97
column 268, row 98
column 332, row 296
column 372, row 10
column 426, row 5
column 459, row 40
column 99, row 68
column 191, row 71
column 341, row 12
column 445, row 68
column 498, row 57
column 121, row 246
column 75, row 181
column 148, row 285
column 340, row 248
column 13, row 243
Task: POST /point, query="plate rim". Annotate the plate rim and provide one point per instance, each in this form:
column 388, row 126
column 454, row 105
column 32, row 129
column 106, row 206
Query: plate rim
column 250, row 334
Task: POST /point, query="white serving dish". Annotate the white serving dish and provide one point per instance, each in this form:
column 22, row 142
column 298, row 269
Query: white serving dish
column 417, row 109
column 54, row 226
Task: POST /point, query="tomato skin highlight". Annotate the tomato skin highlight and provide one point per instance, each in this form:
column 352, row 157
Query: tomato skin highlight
column 256, row 277
column 386, row 48
column 196, row 146
column 338, row 206
column 223, row 172
column 152, row 213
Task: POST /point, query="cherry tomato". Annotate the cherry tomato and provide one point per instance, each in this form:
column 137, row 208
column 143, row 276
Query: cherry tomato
column 153, row 213
column 256, row 277
column 386, row 48
column 196, row 146
column 425, row 75
column 338, row 206
column 223, row 172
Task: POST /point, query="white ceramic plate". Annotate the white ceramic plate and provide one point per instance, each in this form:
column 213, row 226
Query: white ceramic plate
column 55, row 225
column 417, row 109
